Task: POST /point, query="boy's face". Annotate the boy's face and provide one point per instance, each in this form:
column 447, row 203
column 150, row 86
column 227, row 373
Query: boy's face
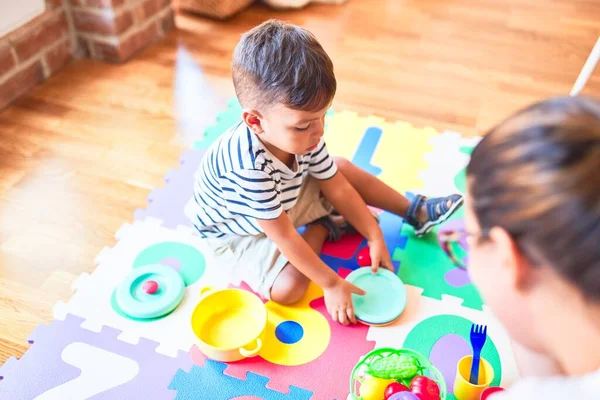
column 288, row 130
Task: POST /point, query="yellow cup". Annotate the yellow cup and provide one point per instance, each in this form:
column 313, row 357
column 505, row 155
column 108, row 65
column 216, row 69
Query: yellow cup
column 463, row 389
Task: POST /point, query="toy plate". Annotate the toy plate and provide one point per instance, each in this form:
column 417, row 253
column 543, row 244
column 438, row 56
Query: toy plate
column 385, row 299
column 135, row 302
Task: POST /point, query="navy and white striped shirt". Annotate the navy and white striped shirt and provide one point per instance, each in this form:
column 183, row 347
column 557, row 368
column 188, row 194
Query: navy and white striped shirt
column 240, row 181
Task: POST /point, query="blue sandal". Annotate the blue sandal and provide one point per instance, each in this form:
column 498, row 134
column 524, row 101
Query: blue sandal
column 437, row 211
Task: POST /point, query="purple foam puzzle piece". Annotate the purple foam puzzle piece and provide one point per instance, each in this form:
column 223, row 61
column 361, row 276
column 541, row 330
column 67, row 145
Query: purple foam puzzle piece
column 42, row 367
column 457, row 277
column 445, row 355
column 167, row 203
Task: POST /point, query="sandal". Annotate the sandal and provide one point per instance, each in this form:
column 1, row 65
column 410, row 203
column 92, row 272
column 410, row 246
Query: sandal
column 336, row 232
column 437, row 211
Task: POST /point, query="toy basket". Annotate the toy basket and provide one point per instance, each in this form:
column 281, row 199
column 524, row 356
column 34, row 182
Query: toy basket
column 360, row 370
column 218, row 9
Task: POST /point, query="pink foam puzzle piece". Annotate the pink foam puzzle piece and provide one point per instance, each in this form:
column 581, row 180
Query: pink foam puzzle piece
column 327, row 376
column 343, row 249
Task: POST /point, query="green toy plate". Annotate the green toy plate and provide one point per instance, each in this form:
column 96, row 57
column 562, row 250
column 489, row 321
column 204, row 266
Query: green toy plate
column 385, row 299
column 150, row 291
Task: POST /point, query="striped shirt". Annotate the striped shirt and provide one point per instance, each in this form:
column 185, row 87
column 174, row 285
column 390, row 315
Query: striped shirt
column 239, row 182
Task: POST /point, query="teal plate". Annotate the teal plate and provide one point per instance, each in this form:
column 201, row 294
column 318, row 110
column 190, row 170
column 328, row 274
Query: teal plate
column 135, row 302
column 385, row 299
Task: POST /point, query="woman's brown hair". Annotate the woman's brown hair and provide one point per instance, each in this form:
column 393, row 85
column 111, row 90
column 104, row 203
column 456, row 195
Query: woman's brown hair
column 537, row 175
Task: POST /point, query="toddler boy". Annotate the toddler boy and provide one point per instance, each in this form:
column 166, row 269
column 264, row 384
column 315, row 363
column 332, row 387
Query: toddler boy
column 272, row 173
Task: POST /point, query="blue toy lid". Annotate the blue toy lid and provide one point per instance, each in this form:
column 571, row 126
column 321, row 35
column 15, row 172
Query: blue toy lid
column 150, row 291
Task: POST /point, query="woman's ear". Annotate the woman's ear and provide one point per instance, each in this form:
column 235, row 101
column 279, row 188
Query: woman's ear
column 252, row 118
column 514, row 263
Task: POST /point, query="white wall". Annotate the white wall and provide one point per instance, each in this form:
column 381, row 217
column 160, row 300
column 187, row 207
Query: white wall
column 14, row 13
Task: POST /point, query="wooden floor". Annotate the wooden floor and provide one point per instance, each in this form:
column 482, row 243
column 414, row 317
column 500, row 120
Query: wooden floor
column 80, row 153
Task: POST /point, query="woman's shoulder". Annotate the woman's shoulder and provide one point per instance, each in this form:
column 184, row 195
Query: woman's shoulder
column 586, row 387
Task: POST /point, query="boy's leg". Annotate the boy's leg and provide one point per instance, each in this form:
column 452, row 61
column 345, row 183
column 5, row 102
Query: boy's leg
column 291, row 284
column 377, row 194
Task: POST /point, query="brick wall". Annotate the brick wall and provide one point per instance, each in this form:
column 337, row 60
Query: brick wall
column 35, row 51
column 114, row 30
column 110, row 30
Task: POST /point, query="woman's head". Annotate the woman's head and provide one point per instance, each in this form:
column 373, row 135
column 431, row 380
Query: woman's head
column 533, row 209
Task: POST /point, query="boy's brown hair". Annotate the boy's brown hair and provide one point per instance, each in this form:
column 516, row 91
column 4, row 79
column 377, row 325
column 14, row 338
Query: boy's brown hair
column 277, row 62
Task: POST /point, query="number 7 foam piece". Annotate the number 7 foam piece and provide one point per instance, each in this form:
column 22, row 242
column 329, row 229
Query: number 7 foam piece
column 66, row 361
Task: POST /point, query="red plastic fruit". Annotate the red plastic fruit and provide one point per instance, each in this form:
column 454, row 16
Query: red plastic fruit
column 393, row 388
column 425, row 388
column 150, row 287
column 364, row 257
column 487, row 392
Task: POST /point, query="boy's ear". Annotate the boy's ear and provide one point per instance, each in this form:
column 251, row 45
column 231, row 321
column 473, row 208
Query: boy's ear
column 252, row 118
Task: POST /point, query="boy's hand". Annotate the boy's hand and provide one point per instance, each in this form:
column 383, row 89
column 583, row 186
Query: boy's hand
column 338, row 300
column 380, row 255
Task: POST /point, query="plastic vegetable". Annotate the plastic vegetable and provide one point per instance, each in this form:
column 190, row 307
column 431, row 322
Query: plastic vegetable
column 395, row 366
column 373, row 388
column 425, row 388
column 394, row 388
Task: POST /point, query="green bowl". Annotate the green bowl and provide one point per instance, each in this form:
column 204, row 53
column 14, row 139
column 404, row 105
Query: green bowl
column 359, row 370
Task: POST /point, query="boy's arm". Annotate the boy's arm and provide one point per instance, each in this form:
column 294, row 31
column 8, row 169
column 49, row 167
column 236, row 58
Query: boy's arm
column 297, row 251
column 290, row 243
column 346, row 200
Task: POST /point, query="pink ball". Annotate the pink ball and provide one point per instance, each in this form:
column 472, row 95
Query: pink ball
column 150, row 287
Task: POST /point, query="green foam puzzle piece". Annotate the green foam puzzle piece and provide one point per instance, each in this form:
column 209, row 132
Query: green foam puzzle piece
column 424, row 264
column 225, row 120
column 427, row 333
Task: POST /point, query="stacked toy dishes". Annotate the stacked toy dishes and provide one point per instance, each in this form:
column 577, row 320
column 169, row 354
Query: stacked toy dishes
column 385, row 298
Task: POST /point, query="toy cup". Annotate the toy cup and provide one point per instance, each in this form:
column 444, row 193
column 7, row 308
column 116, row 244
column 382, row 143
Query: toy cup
column 463, row 389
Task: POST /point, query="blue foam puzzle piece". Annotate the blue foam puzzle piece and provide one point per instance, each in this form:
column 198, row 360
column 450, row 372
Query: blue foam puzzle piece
column 210, row 383
column 366, row 149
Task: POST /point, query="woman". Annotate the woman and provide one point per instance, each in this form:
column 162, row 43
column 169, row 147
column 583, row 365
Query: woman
column 533, row 226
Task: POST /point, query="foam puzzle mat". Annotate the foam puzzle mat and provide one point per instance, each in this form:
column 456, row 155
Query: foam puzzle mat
column 93, row 349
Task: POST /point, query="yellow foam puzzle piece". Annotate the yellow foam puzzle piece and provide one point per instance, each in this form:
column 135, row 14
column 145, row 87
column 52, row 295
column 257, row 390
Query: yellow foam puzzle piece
column 400, row 151
column 345, row 130
column 316, row 331
column 400, row 155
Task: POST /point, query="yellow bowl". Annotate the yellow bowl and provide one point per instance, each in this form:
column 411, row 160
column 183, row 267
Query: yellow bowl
column 229, row 324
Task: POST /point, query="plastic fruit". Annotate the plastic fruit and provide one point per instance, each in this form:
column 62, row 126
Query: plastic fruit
column 373, row 388
column 364, row 257
column 394, row 388
column 425, row 388
column 404, row 396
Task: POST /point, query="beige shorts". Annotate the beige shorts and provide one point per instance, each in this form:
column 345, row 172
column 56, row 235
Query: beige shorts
column 256, row 259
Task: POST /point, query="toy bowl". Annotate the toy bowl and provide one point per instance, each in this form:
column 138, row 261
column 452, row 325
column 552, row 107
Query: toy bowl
column 229, row 324
column 359, row 373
